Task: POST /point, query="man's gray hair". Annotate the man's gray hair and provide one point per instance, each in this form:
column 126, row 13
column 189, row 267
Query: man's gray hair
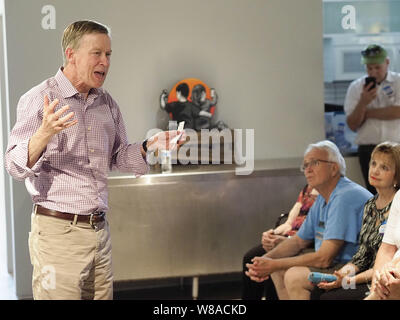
column 333, row 151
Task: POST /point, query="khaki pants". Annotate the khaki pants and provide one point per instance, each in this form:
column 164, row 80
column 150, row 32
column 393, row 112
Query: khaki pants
column 71, row 260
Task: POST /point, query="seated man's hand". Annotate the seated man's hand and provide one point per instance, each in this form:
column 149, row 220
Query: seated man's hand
column 394, row 286
column 379, row 287
column 387, row 284
column 260, row 269
column 386, row 273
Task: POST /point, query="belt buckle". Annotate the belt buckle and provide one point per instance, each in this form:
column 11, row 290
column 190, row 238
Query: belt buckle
column 91, row 220
column 101, row 214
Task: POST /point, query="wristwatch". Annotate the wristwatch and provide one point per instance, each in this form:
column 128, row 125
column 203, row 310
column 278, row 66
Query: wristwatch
column 144, row 145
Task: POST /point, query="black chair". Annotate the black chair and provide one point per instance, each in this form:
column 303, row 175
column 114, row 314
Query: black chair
column 281, row 219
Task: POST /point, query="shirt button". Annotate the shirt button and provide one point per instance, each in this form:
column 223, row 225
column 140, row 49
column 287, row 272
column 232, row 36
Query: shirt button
column 91, row 150
column 89, row 128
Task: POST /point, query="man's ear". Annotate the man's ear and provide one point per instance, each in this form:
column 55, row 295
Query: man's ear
column 69, row 54
column 335, row 169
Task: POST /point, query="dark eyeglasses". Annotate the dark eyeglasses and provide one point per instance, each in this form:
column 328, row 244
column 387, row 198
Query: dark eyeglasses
column 312, row 163
column 371, row 52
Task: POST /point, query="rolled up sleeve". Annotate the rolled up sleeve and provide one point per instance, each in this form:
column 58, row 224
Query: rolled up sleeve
column 29, row 119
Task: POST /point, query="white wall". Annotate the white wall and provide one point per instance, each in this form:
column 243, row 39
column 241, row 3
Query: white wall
column 264, row 57
column 2, row 176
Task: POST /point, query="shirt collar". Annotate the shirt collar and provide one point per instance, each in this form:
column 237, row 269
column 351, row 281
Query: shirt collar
column 68, row 90
column 337, row 187
column 66, row 87
column 389, row 77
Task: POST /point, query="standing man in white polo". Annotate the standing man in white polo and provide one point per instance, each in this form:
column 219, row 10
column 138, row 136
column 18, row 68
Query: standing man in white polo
column 68, row 135
column 373, row 109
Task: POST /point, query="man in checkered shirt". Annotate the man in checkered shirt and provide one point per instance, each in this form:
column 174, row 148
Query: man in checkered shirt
column 68, row 135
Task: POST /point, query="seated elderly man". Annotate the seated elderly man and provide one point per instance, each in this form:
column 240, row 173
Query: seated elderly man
column 333, row 223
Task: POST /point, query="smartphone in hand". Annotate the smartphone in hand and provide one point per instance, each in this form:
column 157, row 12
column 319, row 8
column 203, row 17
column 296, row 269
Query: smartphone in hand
column 368, row 80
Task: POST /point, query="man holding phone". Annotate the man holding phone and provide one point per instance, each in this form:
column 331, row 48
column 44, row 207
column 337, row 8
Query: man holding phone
column 372, row 106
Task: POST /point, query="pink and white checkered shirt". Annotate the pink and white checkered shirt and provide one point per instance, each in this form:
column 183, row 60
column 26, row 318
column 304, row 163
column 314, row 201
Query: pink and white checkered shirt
column 71, row 174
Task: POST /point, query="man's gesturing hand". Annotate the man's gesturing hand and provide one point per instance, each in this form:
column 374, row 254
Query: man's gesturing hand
column 52, row 123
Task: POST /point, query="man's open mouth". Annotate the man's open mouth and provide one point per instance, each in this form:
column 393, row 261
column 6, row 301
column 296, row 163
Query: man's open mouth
column 100, row 74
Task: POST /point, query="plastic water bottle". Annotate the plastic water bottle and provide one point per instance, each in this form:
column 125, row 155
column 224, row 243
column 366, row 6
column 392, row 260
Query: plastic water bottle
column 329, row 126
column 166, row 161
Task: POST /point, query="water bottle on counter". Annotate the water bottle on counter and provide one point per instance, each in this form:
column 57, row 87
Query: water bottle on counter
column 166, row 161
column 172, row 125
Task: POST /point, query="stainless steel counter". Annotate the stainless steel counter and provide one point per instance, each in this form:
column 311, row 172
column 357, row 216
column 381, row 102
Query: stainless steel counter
column 197, row 220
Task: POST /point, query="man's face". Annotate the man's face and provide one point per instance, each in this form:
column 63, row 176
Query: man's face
column 321, row 172
column 378, row 70
column 91, row 60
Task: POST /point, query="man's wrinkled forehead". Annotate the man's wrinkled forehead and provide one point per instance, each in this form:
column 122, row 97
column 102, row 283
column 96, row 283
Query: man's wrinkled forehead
column 316, row 153
column 92, row 40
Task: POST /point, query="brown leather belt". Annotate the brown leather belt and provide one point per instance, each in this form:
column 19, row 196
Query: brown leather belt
column 91, row 218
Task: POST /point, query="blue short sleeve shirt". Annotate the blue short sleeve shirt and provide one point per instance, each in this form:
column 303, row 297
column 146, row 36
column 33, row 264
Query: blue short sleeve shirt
column 339, row 219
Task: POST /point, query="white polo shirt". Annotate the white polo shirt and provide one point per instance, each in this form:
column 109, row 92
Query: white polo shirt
column 392, row 230
column 375, row 131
